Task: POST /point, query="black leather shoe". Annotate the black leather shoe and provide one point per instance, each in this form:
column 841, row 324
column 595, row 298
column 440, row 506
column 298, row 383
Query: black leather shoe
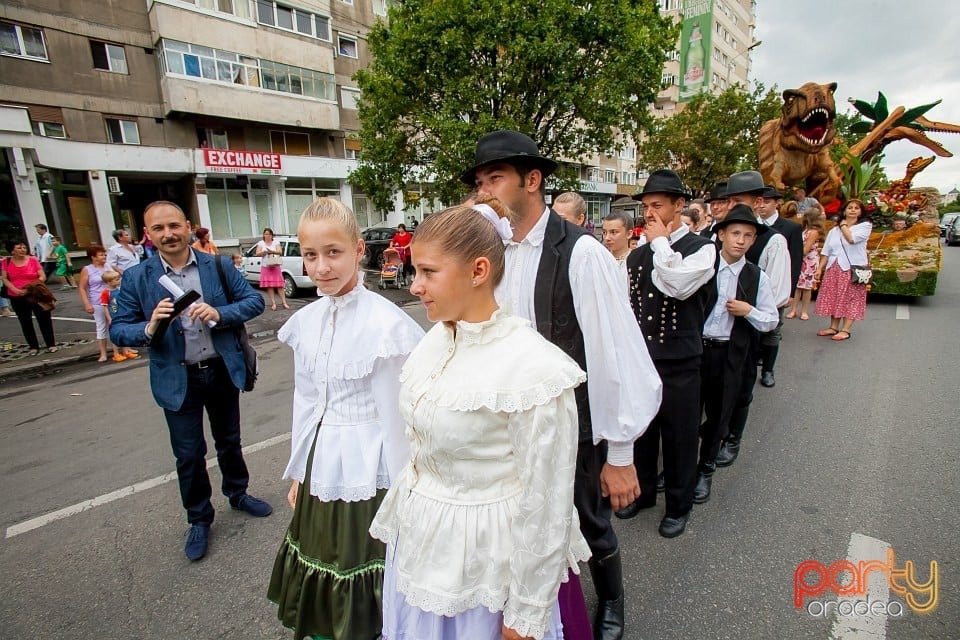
column 701, row 492
column 766, row 379
column 661, row 483
column 635, row 507
column 672, row 527
column 607, row 575
column 728, row 453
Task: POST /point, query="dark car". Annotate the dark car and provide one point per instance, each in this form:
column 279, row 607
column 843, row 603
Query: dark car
column 945, row 222
column 377, row 239
column 953, row 232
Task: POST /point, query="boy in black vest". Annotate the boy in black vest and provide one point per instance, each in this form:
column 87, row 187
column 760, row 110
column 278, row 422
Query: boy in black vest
column 671, row 285
column 569, row 286
column 744, row 307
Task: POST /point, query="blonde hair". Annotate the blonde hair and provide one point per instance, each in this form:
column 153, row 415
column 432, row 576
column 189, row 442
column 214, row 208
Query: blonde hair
column 464, row 234
column 812, row 220
column 109, row 276
column 323, row 209
column 576, row 200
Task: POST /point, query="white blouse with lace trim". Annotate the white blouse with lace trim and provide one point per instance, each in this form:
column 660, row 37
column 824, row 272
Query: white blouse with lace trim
column 348, row 353
column 483, row 514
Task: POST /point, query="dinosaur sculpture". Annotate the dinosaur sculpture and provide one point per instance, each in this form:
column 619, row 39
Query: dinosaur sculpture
column 795, row 147
column 900, row 190
column 882, row 128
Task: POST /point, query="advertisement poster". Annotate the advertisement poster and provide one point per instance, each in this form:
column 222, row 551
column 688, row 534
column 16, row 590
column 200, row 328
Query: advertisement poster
column 695, row 48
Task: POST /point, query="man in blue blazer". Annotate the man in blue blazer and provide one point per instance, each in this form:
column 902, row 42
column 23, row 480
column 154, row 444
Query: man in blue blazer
column 193, row 366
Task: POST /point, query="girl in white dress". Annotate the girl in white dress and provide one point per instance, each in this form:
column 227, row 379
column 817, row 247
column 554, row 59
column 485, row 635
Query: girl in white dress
column 480, row 525
column 347, row 444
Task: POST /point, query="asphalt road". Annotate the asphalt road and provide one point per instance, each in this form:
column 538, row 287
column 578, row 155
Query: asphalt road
column 855, row 448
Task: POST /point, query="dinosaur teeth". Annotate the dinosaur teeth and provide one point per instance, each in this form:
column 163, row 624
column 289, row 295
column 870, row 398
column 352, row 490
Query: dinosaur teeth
column 818, row 110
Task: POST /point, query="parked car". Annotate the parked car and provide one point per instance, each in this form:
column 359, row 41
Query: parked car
column 945, row 222
column 953, row 232
column 294, row 275
column 377, row 239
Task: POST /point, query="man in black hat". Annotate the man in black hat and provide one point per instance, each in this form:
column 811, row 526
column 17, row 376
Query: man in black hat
column 793, row 232
column 744, row 307
column 717, row 201
column 671, row 286
column 570, row 287
column 769, row 252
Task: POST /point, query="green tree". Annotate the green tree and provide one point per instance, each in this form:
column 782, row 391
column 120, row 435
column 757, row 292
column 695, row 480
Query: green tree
column 568, row 73
column 713, row 136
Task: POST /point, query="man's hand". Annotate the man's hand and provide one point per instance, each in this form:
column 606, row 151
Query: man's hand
column 509, row 634
column 292, row 494
column 619, row 484
column 203, row 312
column 738, row 308
column 162, row 311
column 655, row 229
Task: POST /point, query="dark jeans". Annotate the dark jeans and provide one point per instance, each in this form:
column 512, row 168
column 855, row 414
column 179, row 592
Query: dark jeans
column 25, row 310
column 677, row 425
column 594, row 510
column 211, row 389
column 49, row 268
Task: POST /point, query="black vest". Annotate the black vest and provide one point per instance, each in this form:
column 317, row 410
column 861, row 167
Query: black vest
column 672, row 328
column 743, row 336
column 754, row 252
column 553, row 305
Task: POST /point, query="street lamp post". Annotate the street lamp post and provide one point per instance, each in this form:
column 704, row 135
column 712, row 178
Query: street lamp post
column 731, row 66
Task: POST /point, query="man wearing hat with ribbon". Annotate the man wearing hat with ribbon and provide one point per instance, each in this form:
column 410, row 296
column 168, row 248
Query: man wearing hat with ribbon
column 569, row 286
column 744, row 307
column 793, row 232
column 671, row 292
column 717, row 201
column 769, row 252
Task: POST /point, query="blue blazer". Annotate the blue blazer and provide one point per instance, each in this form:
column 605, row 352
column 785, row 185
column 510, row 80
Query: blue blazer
column 140, row 292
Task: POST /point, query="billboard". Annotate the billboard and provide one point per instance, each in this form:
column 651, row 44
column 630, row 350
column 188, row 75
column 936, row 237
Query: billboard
column 695, row 48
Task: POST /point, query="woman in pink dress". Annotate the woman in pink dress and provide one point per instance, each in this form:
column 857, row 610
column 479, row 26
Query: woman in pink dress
column 813, row 233
column 840, row 298
column 271, row 277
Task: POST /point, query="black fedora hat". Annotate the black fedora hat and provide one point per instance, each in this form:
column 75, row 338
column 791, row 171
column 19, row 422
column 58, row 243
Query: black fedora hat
column 719, row 192
column 744, row 215
column 745, row 182
column 511, row 147
column 770, row 193
column 664, row 181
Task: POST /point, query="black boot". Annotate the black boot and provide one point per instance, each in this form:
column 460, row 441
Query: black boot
column 607, row 574
column 731, row 444
column 701, row 492
column 769, row 357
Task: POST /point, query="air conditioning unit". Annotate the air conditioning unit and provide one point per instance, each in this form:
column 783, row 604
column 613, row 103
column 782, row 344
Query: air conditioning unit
column 113, row 184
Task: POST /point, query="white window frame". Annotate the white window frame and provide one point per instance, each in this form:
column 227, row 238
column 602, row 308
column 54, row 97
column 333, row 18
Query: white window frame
column 351, row 104
column 356, row 46
column 40, row 128
column 110, row 61
column 124, row 132
column 382, row 6
column 295, row 13
column 18, row 31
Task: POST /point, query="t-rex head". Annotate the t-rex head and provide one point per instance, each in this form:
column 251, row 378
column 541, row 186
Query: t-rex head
column 807, row 119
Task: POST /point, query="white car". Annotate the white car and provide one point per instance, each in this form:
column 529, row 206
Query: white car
column 294, row 276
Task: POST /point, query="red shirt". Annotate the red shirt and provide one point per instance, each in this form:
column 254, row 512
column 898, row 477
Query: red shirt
column 22, row 276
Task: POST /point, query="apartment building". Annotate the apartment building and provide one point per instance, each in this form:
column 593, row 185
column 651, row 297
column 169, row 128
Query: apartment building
column 241, row 111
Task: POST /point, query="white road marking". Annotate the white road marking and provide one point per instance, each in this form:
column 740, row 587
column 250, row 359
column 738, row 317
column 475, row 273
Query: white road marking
column 903, row 312
column 73, row 319
column 86, row 505
column 864, row 627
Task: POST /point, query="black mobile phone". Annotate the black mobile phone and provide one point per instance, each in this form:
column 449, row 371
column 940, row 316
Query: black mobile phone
column 181, row 303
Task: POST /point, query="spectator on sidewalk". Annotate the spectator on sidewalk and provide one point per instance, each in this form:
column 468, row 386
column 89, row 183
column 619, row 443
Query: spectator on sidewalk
column 108, row 300
column 124, row 254
column 64, row 265
column 43, row 250
column 20, row 271
column 91, row 285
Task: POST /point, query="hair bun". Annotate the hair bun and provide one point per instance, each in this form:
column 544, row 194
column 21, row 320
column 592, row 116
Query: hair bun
column 491, row 201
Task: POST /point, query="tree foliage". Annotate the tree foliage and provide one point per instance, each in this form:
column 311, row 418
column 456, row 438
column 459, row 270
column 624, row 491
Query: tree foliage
column 569, row 73
column 712, row 137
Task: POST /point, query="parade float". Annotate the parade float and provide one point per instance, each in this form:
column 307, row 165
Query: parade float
column 795, row 149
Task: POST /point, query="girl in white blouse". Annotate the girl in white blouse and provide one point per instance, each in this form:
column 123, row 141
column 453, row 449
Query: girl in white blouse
column 348, row 444
column 480, row 526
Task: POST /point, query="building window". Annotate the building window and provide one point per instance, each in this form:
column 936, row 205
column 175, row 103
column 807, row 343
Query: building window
column 301, row 192
column 239, row 8
column 229, row 205
column 668, row 79
column 21, row 41
column 122, row 131
column 349, row 98
column 213, row 138
column 108, row 57
column 628, row 153
column 290, row 143
column 347, row 1
column 49, row 129
column 347, row 46
column 610, row 175
column 380, row 7
column 290, row 19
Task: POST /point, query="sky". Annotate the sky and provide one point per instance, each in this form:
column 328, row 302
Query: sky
column 907, row 50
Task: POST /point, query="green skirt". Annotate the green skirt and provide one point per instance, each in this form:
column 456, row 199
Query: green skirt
column 328, row 576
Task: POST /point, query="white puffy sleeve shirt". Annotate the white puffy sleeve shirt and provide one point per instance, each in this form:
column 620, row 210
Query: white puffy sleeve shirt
column 483, row 514
column 348, row 352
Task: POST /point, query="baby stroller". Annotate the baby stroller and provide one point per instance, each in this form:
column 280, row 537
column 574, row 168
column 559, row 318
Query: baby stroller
column 391, row 273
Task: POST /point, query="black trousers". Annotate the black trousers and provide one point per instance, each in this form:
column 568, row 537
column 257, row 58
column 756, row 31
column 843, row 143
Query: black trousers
column 209, row 388
column 716, row 401
column 594, row 510
column 676, row 426
column 25, row 312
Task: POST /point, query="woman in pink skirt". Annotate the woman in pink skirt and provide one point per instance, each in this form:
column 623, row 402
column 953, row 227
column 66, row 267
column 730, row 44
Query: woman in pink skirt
column 271, row 277
column 839, row 297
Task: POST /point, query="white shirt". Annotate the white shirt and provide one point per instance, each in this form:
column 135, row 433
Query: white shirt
column 123, row 257
column 483, row 515
column 775, row 262
column 680, row 277
column 44, row 247
column 857, row 251
column 622, row 383
column 348, row 351
column 764, row 316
